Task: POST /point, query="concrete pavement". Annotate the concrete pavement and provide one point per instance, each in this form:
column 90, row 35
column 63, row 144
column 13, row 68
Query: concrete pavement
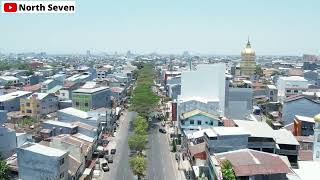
column 120, row 168
column 161, row 162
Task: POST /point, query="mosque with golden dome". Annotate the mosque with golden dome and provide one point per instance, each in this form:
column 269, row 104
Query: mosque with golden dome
column 248, row 61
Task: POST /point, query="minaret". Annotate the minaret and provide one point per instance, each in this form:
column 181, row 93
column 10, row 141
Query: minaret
column 316, row 139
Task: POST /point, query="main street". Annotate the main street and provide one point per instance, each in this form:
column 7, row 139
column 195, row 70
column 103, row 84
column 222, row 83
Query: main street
column 161, row 164
column 120, row 168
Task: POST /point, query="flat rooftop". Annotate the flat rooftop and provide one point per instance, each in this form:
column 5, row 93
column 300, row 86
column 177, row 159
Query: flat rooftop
column 13, row 95
column 59, row 123
column 44, row 150
column 90, row 90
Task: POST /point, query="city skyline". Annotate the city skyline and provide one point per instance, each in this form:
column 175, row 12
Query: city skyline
column 209, row 27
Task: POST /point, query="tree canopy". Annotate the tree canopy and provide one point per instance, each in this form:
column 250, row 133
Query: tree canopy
column 144, row 100
column 138, row 165
column 4, row 169
column 227, row 171
column 137, row 142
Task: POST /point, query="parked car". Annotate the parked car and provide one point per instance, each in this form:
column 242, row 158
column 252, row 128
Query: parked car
column 162, row 130
column 104, row 165
column 109, row 158
column 113, row 151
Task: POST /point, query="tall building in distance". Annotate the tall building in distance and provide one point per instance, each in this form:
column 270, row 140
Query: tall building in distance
column 88, row 53
column 248, row 61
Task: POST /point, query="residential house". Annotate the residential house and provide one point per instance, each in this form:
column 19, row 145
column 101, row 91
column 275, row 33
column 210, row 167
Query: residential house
column 303, row 126
column 272, row 93
column 9, row 80
column 37, row 161
column 87, row 99
column 292, row 85
column 11, row 101
column 49, row 84
column 38, row 104
column 238, row 100
column 197, row 119
column 32, row 88
column 65, row 93
column 250, row 164
column 72, row 115
column 261, row 135
column 117, row 95
column 80, row 152
column 55, row 128
column 263, row 138
column 298, row 105
column 8, row 142
column 224, row 139
column 80, row 78
column 103, row 72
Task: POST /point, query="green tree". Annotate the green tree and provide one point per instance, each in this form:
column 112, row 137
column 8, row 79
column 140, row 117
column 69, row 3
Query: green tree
column 174, row 145
column 140, row 125
column 4, row 169
column 227, row 171
column 138, row 166
column 259, row 70
column 137, row 142
column 144, row 100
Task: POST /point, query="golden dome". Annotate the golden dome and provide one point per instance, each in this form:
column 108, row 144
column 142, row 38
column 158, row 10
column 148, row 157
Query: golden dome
column 317, row 118
column 248, row 50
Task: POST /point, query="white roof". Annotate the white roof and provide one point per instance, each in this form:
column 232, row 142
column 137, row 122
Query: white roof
column 304, row 118
column 45, row 150
column 228, row 131
column 77, row 76
column 89, row 85
column 197, row 134
column 40, row 96
column 75, row 112
column 308, row 170
column 47, row 81
column 92, row 90
column 9, row 78
column 256, row 129
column 271, row 86
column 84, row 137
column 283, row 136
column 108, row 66
column 211, row 133
column 59, row 123
column 293, row 78
column 13, row 95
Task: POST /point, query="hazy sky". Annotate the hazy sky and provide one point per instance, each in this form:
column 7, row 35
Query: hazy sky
column 280, row 27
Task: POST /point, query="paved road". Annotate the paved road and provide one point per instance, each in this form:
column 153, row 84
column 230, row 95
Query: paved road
column 161, row 165
column 120, row 169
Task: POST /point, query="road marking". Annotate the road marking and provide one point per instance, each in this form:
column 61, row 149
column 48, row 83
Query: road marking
column 154, row 173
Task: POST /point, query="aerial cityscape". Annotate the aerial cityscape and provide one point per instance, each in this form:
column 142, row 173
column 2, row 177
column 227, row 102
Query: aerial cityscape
column 165, row 90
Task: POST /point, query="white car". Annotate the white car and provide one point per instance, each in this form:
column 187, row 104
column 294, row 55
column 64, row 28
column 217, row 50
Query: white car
column 96, row 173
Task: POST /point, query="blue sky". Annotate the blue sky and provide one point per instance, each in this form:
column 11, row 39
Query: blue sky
column 280, row 27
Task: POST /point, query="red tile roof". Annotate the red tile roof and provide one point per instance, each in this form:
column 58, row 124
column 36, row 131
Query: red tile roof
column 228, row 123
column 32, row 88
column 198, row 148
column 247, row 162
